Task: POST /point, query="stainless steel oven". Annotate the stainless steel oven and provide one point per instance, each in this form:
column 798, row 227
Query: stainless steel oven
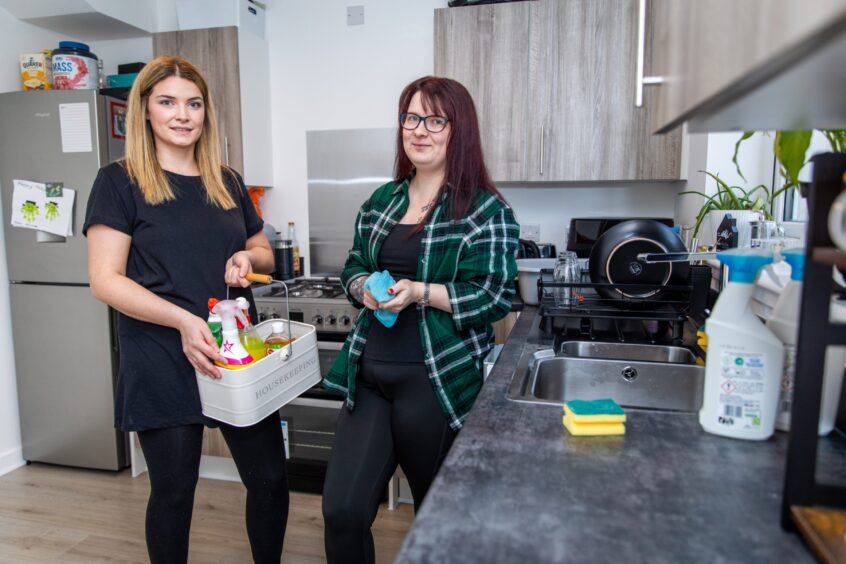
column 311, row 418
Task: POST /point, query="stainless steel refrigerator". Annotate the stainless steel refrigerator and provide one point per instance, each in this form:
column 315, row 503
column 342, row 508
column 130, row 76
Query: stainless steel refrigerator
column 65, row 349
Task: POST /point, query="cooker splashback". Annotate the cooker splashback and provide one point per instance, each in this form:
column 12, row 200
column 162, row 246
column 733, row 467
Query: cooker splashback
column 344, row 168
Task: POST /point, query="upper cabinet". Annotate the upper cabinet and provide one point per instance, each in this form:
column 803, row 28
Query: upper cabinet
column 235, row 63
column 750, row 65
column 554, row 84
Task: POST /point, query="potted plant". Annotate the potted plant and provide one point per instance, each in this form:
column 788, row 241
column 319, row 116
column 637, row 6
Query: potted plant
column 745, row 205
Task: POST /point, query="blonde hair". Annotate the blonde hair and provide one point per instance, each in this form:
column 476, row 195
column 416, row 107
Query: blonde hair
column 141, row 162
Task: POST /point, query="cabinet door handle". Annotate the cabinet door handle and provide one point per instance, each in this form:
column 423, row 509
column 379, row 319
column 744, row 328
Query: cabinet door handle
column 541, row 150
column 226, row 150
column 641, row 54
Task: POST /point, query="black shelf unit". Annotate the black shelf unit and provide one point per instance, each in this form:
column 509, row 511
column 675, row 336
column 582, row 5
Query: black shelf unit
column 671, row 305
column 816, row 332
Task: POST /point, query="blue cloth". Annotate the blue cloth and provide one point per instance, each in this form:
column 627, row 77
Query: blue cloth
column 378, row 284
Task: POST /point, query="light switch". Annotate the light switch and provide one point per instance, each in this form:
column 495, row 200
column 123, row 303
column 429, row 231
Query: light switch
column 355, row 15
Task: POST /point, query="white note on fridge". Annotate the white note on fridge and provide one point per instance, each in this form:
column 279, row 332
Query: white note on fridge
column 75, row 123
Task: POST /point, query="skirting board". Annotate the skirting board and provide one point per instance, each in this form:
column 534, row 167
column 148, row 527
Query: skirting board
column 11, row 460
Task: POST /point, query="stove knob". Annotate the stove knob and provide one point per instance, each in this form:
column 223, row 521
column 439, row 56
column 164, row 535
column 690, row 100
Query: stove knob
column 344, row 321
column 317, row 320
column 262, row 316
column 330, row 319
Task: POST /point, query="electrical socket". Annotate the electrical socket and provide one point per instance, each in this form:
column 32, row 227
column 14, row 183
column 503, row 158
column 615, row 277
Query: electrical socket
column 530, row 232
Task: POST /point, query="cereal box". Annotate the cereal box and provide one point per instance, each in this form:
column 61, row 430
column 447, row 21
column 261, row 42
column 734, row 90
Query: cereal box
column 36, row 71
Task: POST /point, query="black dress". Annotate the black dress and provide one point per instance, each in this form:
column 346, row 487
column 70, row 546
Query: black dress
column 179, row 251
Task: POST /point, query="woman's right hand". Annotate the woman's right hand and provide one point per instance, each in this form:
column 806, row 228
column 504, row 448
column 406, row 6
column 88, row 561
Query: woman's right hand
column 199, row 345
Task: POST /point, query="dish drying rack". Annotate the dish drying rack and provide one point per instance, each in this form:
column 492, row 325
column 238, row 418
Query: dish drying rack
column 651, row 319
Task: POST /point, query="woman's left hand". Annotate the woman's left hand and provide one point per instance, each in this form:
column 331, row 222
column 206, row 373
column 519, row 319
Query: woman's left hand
column 238, row 266
column 405, row 293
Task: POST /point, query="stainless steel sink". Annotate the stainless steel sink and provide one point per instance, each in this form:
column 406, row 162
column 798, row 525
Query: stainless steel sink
column 639, row 376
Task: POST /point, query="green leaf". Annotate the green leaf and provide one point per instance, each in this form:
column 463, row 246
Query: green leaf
column 746, row 135
column 790, row 148
column 837, row 139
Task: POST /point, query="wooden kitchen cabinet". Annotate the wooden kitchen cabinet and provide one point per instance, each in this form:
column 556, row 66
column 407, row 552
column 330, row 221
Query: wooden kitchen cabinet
column 732, row 65
column 485, row 48
column 236, row 65
column 503, row 327
column 554, row 84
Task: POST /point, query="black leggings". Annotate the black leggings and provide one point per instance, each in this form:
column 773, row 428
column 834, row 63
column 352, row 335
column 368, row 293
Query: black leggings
column 173, row 460
column 397, row 419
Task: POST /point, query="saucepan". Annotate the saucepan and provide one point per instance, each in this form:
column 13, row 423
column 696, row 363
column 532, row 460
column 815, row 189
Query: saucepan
column 615, row 262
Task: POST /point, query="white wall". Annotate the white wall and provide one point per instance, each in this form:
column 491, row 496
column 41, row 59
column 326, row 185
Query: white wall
column 119, row 51
column 327, row 75
column 552, row 208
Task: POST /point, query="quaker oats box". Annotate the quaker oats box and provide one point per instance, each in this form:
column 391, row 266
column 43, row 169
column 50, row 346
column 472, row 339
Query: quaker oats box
column 36, row 71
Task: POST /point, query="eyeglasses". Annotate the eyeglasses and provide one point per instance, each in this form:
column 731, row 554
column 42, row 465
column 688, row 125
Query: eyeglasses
column 433, row 124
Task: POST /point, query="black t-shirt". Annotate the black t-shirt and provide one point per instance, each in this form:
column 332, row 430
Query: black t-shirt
column 399, row 255
column 179, row 251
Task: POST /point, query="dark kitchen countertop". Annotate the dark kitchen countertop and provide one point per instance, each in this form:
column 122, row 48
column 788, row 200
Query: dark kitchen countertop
column 517, row 488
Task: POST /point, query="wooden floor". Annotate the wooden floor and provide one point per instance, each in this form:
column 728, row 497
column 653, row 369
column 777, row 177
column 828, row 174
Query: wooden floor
column 56, row 514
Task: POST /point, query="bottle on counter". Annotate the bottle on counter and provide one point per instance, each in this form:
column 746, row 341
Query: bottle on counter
column 283, row 259
column 277, row 339
column 295, row 247
column 784, row 322
column 744, row 362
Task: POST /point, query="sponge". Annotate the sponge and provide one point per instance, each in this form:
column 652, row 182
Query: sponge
column 597, row 417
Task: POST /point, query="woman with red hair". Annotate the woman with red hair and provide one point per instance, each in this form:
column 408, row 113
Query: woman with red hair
column 446, row 234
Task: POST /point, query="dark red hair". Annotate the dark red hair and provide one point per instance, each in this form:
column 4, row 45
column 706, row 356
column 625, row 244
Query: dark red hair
column 466, row 173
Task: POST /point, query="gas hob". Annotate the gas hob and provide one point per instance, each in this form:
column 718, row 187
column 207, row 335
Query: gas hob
column 317, row 301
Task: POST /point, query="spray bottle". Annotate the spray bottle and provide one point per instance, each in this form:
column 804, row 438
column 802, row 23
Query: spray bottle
column 231, row 349
column 214, row 322
column 744, row 362
column 250, row 339
column 784, row 322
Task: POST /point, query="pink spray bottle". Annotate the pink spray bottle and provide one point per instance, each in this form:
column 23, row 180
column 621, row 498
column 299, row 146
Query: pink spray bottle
column 231, row 348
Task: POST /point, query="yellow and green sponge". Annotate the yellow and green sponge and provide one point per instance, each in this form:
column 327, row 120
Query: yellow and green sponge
column 597, row 417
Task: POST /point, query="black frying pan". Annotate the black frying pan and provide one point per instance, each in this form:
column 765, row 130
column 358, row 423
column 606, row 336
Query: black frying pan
column 614, row 260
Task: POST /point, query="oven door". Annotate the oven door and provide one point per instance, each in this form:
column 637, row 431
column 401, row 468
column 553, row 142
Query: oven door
column 327, row 352
column 311, row 420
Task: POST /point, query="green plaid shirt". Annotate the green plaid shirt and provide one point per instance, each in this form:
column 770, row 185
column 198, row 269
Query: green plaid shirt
column 473, row 257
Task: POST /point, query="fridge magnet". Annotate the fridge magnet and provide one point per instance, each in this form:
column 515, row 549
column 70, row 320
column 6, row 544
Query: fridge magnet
column 33, row 209
column 118, row 113
column 54, row 189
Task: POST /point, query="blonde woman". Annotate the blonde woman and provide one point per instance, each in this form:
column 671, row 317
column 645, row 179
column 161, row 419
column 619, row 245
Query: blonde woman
column 168, row 227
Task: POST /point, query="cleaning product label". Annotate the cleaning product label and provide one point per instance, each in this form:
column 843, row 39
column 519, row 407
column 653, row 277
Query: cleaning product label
column 785, row 397
column 741, row 389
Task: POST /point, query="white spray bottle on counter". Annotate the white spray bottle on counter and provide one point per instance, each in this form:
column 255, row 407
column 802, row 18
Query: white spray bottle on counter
column 744, row 362
column 231, row 348
column 784, row 322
